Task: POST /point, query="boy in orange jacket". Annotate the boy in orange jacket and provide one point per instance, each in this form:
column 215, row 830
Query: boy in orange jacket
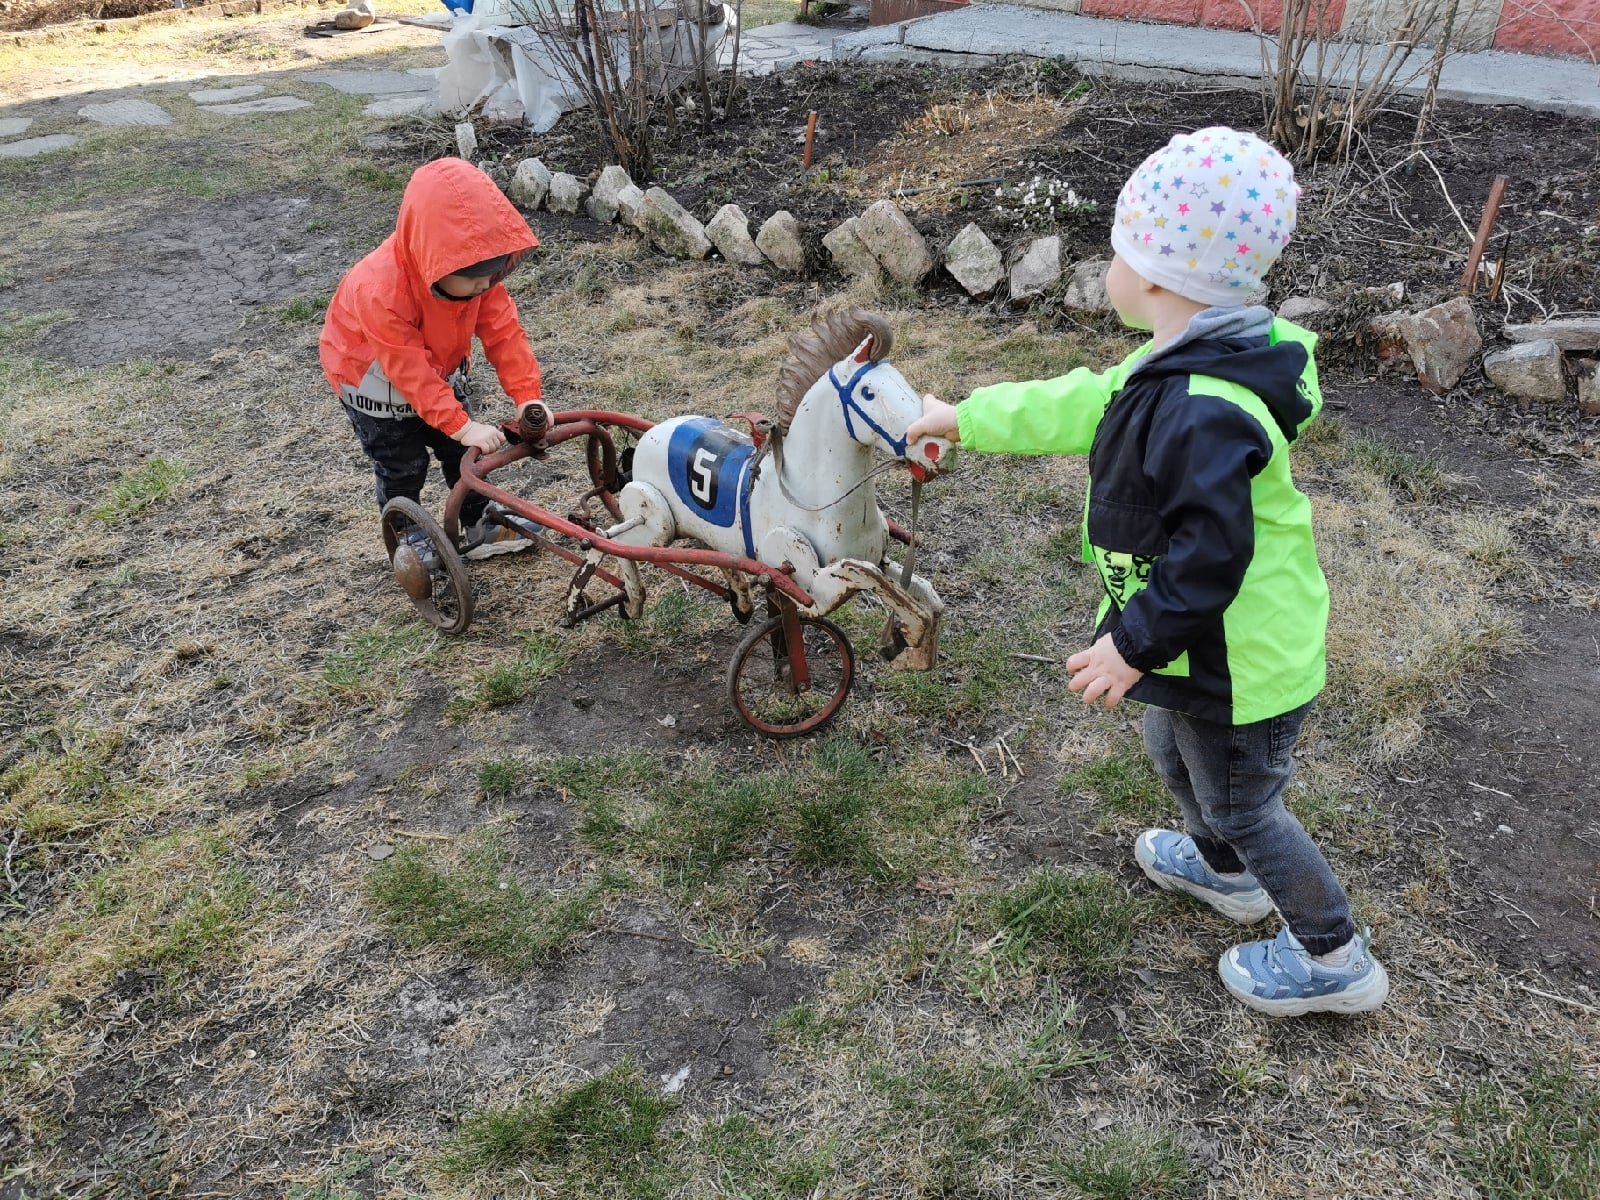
column 397, row 341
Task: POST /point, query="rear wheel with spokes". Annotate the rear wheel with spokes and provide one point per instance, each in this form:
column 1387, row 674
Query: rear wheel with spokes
column 791, row 674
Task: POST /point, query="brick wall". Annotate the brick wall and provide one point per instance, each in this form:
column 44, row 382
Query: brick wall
column 1565, row 28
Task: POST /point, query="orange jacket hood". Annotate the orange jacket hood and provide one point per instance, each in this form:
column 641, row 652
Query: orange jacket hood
column 453, row 215
column 387, row 313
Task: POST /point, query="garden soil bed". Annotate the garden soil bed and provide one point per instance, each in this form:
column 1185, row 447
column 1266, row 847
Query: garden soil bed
column 1371, row 223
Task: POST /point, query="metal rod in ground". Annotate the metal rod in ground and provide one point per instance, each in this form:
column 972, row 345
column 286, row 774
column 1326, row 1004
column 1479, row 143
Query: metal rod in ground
column 1491, row 212
column 811, row 132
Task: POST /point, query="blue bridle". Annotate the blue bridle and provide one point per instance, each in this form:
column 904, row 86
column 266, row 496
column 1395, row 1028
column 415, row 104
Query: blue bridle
column 847, row 401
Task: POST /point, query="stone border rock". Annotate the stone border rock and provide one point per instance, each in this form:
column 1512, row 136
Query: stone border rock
column 881, row 241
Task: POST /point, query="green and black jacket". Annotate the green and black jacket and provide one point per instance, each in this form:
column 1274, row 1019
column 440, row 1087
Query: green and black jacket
column 1201, row 539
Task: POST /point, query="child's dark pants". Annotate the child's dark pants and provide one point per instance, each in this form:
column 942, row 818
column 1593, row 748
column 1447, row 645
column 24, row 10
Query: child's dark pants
column 398, row 448
column 1229, row 781
column 398, row 441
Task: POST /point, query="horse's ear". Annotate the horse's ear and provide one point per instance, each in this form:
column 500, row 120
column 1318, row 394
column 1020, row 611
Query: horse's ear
column 864, row 352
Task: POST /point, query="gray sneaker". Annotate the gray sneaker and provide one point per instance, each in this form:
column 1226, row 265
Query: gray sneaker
column 1280, row 978
column 1172, row 861
column 498, row 531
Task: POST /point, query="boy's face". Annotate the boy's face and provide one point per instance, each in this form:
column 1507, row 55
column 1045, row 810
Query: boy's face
column 465, row 287
column 1130, row 295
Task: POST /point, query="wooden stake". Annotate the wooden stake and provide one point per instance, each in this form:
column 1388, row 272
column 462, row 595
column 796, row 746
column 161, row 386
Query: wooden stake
column 1491, row 211
column 811, row 132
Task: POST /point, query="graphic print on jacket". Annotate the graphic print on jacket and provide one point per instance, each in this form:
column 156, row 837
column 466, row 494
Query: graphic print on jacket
column 1190, row 494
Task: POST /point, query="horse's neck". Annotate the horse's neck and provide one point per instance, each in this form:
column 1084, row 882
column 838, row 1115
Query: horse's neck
column 822, row 461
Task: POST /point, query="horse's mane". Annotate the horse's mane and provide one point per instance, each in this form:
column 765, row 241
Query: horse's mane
column 829, row 340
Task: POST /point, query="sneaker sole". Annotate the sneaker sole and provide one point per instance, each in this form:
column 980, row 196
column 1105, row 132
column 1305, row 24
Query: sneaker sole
column 1368, row 996
column 490, row 549
column 1240, row 909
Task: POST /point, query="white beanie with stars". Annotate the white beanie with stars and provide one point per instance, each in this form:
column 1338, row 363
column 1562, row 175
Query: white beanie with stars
column 1207, row 215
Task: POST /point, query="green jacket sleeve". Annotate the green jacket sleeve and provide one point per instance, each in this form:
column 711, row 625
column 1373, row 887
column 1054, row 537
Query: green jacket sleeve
column 1044, row 416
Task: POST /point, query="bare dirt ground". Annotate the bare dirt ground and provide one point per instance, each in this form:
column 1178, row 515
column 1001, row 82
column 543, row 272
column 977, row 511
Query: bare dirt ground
column 304, row 900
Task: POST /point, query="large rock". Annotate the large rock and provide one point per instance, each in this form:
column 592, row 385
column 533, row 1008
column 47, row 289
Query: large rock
column 630, row 202
column 262, row 104
column 729, row 232
column 227, row 95
column 1086, row 287
column 1570, row 333
column 849, row 252
column 1530, row 371
column 894, row 241
column 1037, row 270
column 1588, row 372
column 30, row 147
column 1304, row 310
column 566, row 193
column 466, row 140
column 671, row 228
column 531, row 183
column 1443, row 342
column 779, row 240
column 975, row 261
column 602, row 202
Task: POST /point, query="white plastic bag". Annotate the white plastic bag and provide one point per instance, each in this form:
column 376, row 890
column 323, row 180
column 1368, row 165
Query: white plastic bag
column 504, row 68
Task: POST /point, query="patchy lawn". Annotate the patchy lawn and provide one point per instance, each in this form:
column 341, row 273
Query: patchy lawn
column 303, row 899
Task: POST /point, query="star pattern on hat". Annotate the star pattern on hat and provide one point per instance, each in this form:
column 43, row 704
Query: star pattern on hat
column 1244, row 188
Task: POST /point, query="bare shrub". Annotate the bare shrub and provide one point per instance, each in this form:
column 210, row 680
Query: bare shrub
column 1323, row 81
column 625, row 57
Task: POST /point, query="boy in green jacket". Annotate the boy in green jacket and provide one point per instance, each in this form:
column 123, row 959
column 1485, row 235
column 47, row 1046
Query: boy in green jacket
column 1215, row 611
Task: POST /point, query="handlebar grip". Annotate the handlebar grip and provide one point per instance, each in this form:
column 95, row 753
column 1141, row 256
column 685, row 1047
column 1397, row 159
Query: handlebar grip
column 532, row 424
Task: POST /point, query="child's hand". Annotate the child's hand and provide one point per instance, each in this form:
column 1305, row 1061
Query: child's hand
column 479, row 436
column 938, row 419
column 1100, row 671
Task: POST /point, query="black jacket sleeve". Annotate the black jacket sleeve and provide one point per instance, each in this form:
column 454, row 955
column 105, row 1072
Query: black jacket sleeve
column 1200, row 457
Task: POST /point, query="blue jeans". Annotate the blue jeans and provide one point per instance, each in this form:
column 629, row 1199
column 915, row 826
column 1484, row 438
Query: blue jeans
column 1229, row 782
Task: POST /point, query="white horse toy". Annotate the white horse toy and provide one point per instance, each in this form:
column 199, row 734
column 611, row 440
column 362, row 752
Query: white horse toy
column 806, row 499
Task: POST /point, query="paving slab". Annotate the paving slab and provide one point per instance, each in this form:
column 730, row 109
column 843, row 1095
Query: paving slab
column 267, row 104
column 225, row 95
column 981, row 33
column 773, row 47
column 31, row 147
column 420, row 104
column 11, row 126
column 370, row 83
column 125, row 112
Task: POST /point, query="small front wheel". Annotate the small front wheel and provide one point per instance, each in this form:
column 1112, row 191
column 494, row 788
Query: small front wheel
column 426, row 566
column 785, row 685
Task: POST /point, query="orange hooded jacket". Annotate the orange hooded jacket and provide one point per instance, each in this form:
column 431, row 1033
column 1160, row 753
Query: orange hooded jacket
column 386, row 311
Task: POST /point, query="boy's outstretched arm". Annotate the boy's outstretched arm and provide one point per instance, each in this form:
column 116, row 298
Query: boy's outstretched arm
column 1042, row 416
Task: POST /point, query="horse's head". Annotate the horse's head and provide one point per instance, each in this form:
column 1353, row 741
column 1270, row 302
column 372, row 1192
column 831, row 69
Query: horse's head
column 861, row 392
column 876, row 402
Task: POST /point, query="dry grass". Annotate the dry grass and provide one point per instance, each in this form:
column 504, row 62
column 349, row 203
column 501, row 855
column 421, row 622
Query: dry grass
column 221, row 705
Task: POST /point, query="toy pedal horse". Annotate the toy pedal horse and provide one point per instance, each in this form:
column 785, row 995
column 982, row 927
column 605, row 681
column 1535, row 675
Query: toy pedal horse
column 805, row 498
